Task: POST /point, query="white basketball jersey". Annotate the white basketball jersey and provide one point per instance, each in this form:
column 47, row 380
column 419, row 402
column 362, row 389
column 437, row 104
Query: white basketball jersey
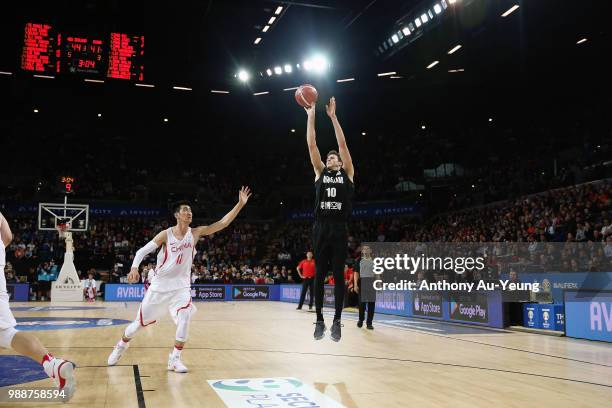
column 173, row 270
column 2, row 264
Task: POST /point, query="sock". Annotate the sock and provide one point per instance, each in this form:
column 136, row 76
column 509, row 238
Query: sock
column 47, row 357
column 123, row 343
column 177, row 351
column 46, row 363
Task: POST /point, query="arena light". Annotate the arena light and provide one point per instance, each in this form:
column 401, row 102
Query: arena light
column 395, row 38
column 166, row 120
column 363, row 133
column 278, row 70
column 257, row 40
column 261, row 93
column 437, row 8
column 266, row 28
column 345, row 80
column 243, row 75
column 417, row 22
column 288, row 68
column 510, row 10
column 452, row 1
column 307, row 65
column 98, row 81
column 320, row 63
column 395, row 77
column 5, row 73
column 406, row 31
column 182, row 88
column 454, row 49
column 269, row 72
column 291, row 89
column 35, row 110
column 490, row 119
column 292, row 130
column 44, row 76
column 581, row 41
column 272, row 20
column 278, row 10
column 215, row 91
column 424, row 18
column 145, row 85
column 423, row 127
column 99, row 115
column 382, row 74
column 433, row 64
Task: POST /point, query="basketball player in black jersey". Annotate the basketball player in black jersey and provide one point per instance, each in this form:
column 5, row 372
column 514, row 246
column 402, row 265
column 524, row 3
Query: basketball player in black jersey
column 333, row 204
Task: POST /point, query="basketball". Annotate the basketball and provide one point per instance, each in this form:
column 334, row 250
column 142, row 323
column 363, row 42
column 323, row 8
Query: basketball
column 306, row 95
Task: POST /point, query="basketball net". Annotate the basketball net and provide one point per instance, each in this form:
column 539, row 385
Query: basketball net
column 62, row 229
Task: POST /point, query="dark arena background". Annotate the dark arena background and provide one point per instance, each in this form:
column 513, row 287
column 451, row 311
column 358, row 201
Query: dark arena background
column 477, row 128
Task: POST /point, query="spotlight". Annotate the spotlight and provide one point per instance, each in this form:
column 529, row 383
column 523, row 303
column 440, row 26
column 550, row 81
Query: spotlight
column 395, row 38
column 278, row 10
column 99, row 115
column 257, row 40
column 417, row 22
column 35, row 110
column 406, row 31
column 307, row 65
column 272, row 20
column 269, row 72
column 437, row 8
column 165, row 119
column 424, row 18
column 278, row 70
column 292, row 130
column 266, row 28
column 319, row 63
column 288, row 68
column 423, row 127
column 243, row 75
column 363, row 133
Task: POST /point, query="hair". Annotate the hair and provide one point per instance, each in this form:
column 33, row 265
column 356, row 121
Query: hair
column 176, row 207
column 334, row 153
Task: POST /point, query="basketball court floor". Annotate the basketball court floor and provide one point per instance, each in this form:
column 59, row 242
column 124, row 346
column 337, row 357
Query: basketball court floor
column 402, row 363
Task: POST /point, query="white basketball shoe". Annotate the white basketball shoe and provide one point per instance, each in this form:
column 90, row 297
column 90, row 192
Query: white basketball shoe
column 175, row 364
column 62, row 373
column 117, row 352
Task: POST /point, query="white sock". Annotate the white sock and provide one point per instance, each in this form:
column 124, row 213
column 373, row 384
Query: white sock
column 122, row 343
column 176, row 352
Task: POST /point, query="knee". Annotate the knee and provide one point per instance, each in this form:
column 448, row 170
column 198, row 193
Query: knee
column 6, row 337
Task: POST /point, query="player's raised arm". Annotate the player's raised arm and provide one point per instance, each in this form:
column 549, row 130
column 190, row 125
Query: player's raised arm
column 159, row 240
column 243, row 197
column 347, row 161
column 5, row 231
column 311, row 140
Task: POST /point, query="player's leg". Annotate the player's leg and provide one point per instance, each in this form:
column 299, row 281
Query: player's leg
column 61, row 371
column 338, row 259
column 181, row 310
column 149, row 310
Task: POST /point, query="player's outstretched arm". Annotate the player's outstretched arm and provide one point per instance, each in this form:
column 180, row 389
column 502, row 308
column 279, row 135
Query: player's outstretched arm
column 243, row 197
column 311, row 140
column 159, row 240
column 345, row 155
column 5, row 231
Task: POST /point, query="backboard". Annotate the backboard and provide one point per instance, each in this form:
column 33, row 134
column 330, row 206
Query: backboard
column 52, row 215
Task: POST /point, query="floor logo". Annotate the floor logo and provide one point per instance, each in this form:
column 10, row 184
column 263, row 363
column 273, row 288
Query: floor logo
column 256, row 385
column 284, row 392
column 19, row 370
column 60, row 323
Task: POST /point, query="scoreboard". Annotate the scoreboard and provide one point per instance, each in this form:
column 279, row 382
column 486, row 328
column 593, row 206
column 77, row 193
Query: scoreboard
column 46, row 50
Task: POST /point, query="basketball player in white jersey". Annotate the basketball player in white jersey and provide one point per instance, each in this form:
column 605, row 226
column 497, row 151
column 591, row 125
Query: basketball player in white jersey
column 170, row 289
column 60, row 371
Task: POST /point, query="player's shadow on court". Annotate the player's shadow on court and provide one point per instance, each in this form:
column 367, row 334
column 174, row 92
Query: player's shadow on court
column 345, row 397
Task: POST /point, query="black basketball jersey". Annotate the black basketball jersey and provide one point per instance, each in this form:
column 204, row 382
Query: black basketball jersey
column 333, row 195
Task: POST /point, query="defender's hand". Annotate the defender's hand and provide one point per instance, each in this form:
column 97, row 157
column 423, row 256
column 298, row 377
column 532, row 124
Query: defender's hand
column 331, row 108
column 243, row 195
column 133, row 276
